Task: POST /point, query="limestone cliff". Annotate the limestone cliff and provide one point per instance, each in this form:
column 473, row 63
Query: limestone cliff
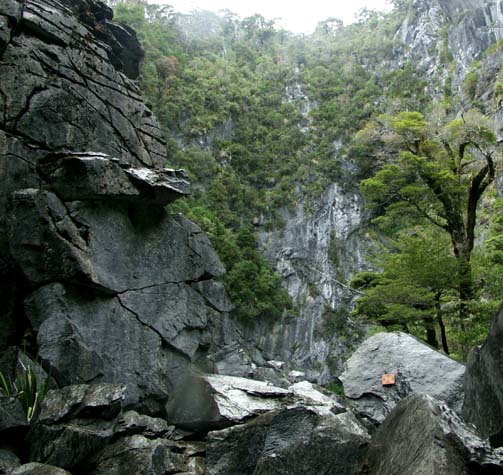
column 98, row 279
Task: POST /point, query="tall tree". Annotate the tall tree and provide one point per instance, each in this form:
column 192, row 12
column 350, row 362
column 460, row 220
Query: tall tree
column 415, row 280
column 437, row 173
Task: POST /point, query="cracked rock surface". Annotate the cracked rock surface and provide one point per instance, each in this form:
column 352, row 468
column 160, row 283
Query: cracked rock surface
column 113, row 288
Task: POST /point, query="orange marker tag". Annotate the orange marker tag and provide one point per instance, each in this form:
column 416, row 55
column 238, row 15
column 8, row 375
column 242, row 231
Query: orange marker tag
column 388, row 379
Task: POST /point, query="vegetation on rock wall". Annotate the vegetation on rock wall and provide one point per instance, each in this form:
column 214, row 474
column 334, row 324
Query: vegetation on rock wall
column 262, row 118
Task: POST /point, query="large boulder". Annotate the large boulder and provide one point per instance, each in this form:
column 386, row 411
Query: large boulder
column 417, row 367
column 206, row 402
column 422, row 437
column 483, row 404
column 296, row 441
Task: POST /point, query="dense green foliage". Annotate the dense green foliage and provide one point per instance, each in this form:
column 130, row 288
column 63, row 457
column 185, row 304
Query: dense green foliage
column 263, row 119
column 436, row 174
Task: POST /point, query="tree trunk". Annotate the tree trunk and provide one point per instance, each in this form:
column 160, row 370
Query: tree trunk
column 438, row 314
column 465, row 297
column 431, row 334
column 441, row 324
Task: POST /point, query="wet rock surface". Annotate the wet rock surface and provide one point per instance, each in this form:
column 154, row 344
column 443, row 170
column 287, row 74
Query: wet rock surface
column 483, row 404
column 423, row 436
column 418, row 369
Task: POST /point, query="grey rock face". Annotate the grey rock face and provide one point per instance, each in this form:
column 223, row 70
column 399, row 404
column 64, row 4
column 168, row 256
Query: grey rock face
column 131, row 423
column 69, row 87
column 316, row 253
column 465, row 27
column 483, row 404
column 139, row 455
column 115, row 248
column 418, row 369
column 292, row 441
column 75, row 422
column 124, row 292
column 98, row 177
column 146, row 338
column 423, row 437
column 101, row 401
column 12, row 417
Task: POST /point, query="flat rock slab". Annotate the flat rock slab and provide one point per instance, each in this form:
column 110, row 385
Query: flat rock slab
column 97, row 176
column 483, row 404
column 417, row 367
column 214, row 401
column 422, row 437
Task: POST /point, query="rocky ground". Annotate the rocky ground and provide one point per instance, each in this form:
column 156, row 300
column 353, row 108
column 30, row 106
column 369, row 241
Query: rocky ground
column 119, row 304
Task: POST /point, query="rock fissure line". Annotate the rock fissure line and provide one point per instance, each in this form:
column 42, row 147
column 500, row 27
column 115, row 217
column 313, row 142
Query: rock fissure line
column 34, row 92
column 150, row 327
column 30, row 141
column 36, row 31
column 108, row 119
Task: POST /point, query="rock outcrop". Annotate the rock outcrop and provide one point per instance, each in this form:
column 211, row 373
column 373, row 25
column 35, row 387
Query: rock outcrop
column 295, row 441
column 89, row 429
column 113, row 288
column 423, row 437
column 483, row 404
column 417, row 367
